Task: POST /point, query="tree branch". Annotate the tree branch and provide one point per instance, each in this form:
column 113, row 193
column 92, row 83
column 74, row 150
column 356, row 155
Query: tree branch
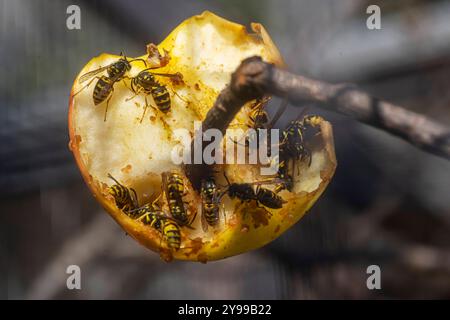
column 255, row 78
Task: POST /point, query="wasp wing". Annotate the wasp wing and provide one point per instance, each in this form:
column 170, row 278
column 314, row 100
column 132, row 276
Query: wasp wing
column 135, row 198
column 269, row 181
column 204, row 222
column 217, row 199
column 92, row 73
column 203, row 214
column 164, row 184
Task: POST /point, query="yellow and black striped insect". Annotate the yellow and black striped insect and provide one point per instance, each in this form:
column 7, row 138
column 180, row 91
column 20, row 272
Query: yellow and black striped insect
column 146, row 83
column 125, row 198
column 269, row 198
column 104, row 87
column 242, row 191
column 293, row 144
column 246, row 193
column 286, row 180
column 258, row 117
column 259, row 120
column 210, row 203
column 151, row 215
column 174, row 189
column 172, row 234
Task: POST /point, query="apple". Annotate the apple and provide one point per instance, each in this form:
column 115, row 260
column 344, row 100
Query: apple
column 204, row 50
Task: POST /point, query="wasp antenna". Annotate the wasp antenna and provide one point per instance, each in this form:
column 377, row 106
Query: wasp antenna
column 114, row 179
column 226, row 178
column 139, row 59
column 302, row 113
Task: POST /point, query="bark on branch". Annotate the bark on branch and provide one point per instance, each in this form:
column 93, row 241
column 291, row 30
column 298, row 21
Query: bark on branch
column 255, row 78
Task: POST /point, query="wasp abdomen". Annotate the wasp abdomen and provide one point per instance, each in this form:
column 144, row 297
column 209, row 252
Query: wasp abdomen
column 102, row 89
column 269, row 198
column 211, row 211
column 162, row 98
column 176, row 207
column 123, row 196
column 172, row 234
column 210, row 202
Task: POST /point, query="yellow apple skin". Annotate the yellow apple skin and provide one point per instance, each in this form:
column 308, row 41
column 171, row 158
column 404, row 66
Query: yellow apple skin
column 205, row 49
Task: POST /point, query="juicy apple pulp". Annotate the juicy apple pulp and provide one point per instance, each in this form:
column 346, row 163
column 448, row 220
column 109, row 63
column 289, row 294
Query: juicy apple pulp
column 205, row 50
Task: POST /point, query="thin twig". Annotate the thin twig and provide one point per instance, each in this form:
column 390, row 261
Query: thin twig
column 255, row 78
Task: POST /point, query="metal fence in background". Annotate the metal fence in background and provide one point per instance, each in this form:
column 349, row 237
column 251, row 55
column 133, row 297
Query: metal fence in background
column 388, row 203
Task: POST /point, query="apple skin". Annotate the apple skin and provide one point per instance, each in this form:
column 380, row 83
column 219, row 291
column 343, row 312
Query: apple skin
column 240, row 232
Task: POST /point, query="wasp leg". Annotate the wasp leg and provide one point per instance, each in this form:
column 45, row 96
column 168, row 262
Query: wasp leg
column 224, row 214
column 107, row 103
column 135, row 200
column 87, row 85
column 136, row 93
column 258, row 188
column 246, row 143
column 294, row 166
column 259, row 205
column 140, row 218
column 188, row 225
column 156, row 200
column 160, row 240
column 132, row 97
column 145, row 109
column 239, row 143
column 193, row 218
column 176, row 94
column 309, row 156
column 125, row 84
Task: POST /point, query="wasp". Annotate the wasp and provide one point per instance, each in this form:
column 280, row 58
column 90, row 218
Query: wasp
column 293, row 144
column 283, row 180
column 174, row 189
column 151, row 215
column 259, row 119
column 210, row 203
column 146, row 83
column 286, row 180
column 269, row 198
column 246, row 193
column 125, row 198
column 172, row 234
column 104, row 87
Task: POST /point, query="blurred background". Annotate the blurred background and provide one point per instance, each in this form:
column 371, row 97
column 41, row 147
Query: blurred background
column 389, row 203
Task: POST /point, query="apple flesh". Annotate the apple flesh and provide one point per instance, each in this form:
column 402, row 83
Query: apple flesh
column 205, row 50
